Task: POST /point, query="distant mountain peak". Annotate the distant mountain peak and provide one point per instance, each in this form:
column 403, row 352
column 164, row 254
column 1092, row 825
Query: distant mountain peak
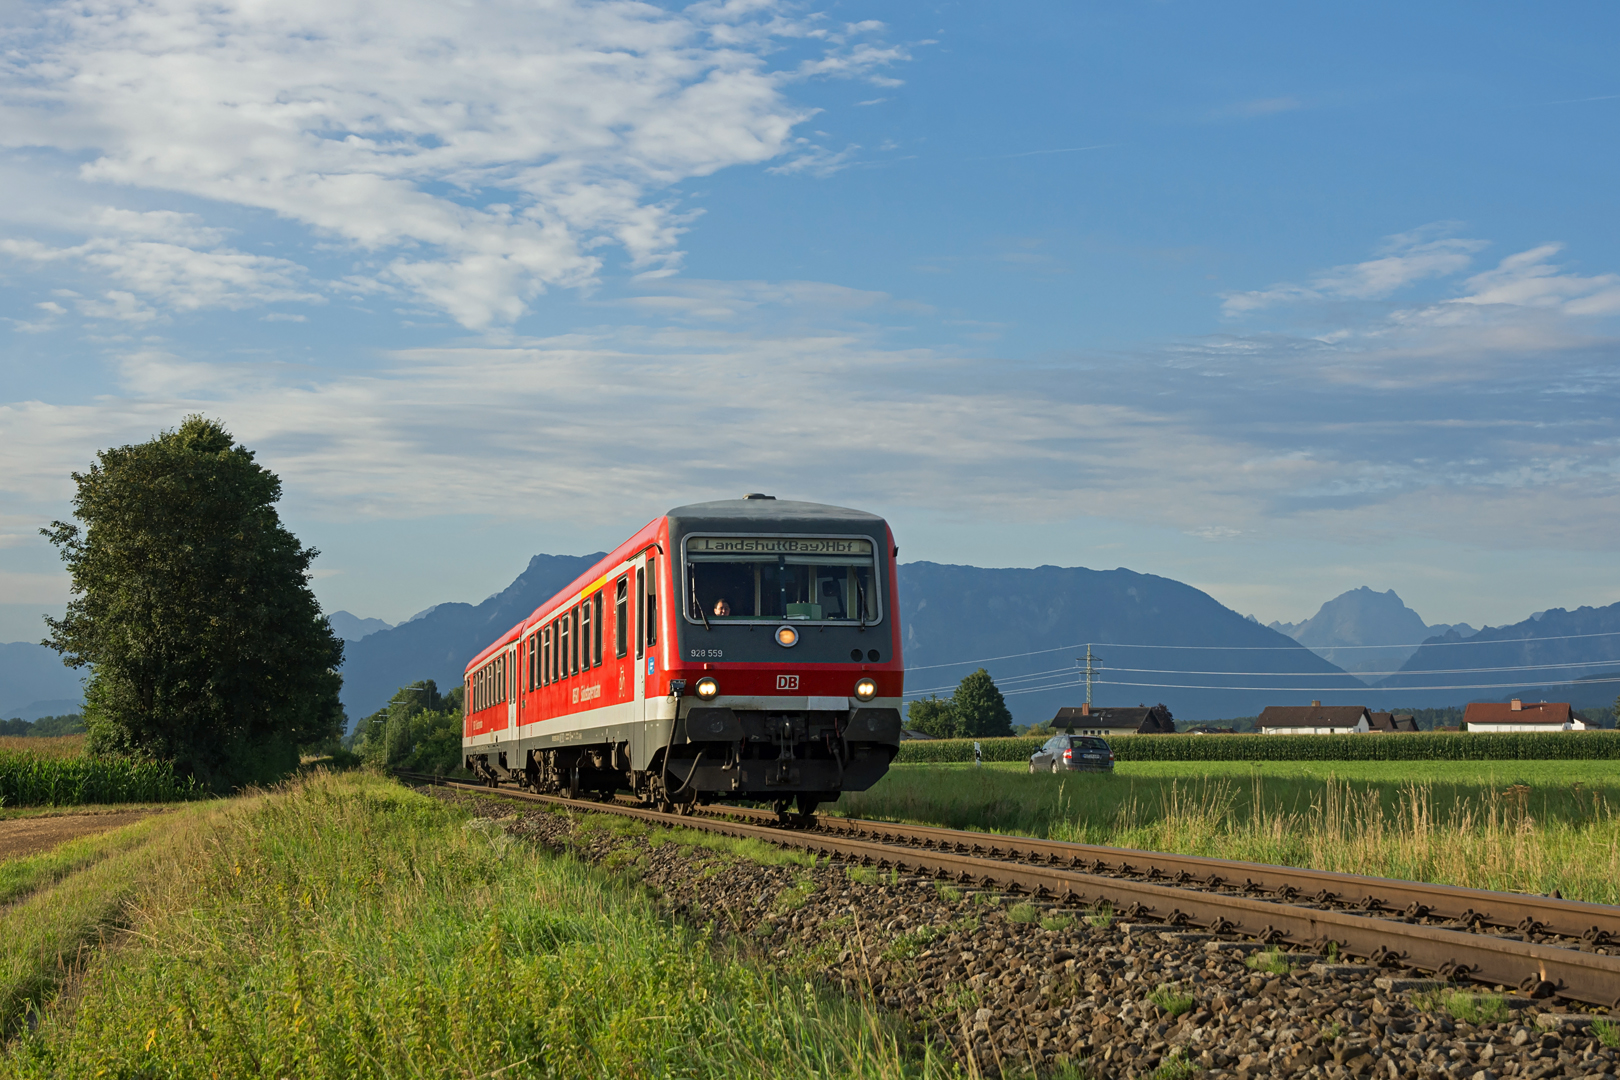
column 352, row 627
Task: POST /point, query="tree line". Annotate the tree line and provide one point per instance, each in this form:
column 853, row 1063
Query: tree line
column 976, row 710
column 45, row 726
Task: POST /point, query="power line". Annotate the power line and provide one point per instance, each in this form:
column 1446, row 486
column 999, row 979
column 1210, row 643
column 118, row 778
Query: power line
column 1398, row 671
column 1263, row 648
column 1364, row 689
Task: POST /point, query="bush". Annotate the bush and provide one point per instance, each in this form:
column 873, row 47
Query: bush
column 1419, row 746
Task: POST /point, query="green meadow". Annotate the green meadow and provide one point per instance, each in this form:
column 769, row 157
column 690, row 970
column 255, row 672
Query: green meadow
column 343, row 926
column 1520, row 826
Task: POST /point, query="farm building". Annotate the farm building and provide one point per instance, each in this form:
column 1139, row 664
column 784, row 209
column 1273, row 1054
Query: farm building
column 1517, row 715
column 1383, row 721
column 1313, row 719
column 1089, row 720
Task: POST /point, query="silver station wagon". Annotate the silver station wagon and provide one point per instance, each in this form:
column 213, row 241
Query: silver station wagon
column 1085, row 753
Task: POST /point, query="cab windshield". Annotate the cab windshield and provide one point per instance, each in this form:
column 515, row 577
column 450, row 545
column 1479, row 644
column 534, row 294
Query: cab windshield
column 813, row 578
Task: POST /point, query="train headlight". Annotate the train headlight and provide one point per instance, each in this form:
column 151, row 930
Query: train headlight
column 866, row 690
column 707, row 688
column 787, row 637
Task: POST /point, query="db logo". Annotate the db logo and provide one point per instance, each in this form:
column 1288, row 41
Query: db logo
column 787, row 682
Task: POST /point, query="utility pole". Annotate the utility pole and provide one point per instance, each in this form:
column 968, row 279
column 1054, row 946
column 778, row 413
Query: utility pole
column 1091, row 669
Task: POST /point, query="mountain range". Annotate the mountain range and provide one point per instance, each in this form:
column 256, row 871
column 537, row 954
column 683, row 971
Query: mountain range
column 1152, row 640
column 1028, row 626
column 1369, row 634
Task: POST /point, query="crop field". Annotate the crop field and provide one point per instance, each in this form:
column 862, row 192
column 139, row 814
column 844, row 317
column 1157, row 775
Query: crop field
column 1521, row 826
column 59, row 746
column 343, row 926
column 28, row 778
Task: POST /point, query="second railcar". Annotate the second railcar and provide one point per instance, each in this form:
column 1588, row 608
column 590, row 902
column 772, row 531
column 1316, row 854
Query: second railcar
column 741, row 649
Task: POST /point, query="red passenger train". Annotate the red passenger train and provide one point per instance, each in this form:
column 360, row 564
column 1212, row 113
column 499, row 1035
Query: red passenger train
column 744, row 649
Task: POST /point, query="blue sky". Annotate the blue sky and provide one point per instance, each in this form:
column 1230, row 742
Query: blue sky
column 1276, row 301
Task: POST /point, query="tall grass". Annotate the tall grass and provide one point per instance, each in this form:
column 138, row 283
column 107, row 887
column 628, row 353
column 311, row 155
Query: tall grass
column 1512, row 837
column 28, row 779
column 345, row 927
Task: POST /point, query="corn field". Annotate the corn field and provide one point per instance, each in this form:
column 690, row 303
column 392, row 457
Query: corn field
column 28, row 779
column 1411, row 746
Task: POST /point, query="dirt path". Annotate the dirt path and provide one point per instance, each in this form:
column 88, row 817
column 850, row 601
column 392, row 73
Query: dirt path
column 31, row 835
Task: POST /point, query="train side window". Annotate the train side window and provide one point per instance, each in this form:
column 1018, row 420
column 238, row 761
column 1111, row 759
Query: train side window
column 532, row 653
column 573, row 653
column 556, row 649
column 500, row 677
column 567, row 641
column 596, row 639
column 652, row 602
column 545, row 656
column 585, row 634
column 621, row 618
column 641, row 613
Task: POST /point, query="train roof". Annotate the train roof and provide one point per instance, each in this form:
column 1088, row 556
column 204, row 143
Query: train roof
column 723, row 514
column 743, row 512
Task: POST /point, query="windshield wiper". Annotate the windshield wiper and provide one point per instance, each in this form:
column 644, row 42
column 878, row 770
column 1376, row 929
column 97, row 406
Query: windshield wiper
column 699, row 605
column 860, row 595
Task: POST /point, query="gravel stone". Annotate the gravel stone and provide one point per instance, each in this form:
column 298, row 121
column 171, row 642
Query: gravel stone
column 1022, row 997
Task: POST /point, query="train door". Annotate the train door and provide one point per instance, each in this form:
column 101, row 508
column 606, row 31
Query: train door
column 638, row 594
column 511, row 691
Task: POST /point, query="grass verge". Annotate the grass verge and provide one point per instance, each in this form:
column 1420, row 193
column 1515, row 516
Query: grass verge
column 345, row 927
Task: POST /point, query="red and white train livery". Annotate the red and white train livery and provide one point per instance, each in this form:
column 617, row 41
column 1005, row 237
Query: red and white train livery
column 744, row 649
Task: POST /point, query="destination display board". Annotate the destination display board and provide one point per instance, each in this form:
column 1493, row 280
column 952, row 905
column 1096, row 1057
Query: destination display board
column 778, row 545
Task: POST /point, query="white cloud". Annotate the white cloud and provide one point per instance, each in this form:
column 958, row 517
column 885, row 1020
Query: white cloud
column 1527, row 279
column 473, row 155
column 1403, row 259
column 176, row 277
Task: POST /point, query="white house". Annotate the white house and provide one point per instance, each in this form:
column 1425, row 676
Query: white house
column 1516, row 715
column 1314, row 719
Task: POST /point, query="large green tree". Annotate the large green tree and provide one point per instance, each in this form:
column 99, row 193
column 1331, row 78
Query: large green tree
column 191, row 607
column 979, row 708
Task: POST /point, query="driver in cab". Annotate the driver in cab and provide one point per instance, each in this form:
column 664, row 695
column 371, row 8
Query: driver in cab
column 722, row 606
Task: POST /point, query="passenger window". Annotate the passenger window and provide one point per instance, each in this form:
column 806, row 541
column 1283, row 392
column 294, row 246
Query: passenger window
column 573, row 633
column 596, row 642
column 621, row 618
column 641, row 612
column 585, row 635
column 567, row 641
column 545, row 656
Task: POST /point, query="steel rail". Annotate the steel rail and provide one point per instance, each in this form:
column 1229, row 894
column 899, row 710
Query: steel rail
column 1543, row 970
column 1597, row 925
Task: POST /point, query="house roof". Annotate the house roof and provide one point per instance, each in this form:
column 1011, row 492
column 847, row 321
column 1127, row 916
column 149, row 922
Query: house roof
column 1142, row 719
column 1531, row 712
column 1312, row 716
column 1383, row 721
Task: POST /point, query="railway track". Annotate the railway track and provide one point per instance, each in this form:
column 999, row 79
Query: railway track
column 1544, row 946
